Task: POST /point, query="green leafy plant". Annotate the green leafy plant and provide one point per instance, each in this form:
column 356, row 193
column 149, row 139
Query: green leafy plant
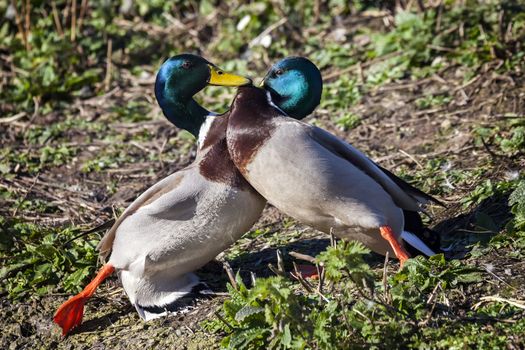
column 432, row 101
column 508, row 137
column 348, row 121
column 517, row 202
column 41, row 260
column 278, row 312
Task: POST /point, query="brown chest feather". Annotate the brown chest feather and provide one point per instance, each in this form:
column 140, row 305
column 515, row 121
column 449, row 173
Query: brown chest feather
column 250, row 125
column 217, row 165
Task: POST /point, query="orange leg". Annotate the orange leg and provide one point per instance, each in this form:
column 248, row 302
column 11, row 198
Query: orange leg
column 69, row 315
column 388, row 234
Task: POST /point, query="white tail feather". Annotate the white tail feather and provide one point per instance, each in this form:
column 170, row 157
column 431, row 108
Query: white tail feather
column 417, row 243
column 158, row 290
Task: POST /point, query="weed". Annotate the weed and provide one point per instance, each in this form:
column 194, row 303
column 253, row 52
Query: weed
column 348, row 121
column 509, row 137
column 342, row 94
column 43, row 262
column 432, row 101
column 277, row 313
column 134, row 111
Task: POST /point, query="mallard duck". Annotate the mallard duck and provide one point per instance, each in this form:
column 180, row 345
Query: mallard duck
column 186, row 219
column 310, row 174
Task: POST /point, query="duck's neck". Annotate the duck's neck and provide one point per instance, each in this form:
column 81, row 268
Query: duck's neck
column 185, row 113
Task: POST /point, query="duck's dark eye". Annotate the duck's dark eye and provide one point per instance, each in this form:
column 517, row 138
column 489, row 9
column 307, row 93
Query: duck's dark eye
column 186, row 64
column 279, row 72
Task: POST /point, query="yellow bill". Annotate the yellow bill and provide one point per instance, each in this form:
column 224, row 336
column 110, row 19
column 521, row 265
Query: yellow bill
column 221, row 78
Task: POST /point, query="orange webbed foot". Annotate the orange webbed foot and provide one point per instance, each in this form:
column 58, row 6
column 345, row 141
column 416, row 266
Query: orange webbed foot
column 69, row 315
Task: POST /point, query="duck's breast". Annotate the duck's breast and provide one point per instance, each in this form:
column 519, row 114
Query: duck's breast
column 187, row 226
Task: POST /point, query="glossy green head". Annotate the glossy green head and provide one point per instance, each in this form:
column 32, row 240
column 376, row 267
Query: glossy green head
column 295, row 85
column 181, row 77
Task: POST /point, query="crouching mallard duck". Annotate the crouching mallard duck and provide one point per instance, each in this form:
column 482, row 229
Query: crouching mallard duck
column 186, row 219
column 310, row 174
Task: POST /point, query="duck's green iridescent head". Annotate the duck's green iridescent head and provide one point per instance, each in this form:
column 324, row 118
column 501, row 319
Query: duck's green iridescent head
column 181, row 77
column 295, row 85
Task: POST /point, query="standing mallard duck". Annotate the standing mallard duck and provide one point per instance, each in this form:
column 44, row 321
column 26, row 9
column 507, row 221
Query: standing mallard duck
column 312, row 175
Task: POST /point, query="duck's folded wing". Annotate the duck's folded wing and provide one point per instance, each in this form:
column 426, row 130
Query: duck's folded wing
column 404, row 195
column 168, row 187
column 421, row 196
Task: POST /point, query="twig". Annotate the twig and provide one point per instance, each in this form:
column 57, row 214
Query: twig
column 73, row 20
column 385, row 284
column 439, row 15
column 253, row 277
column 321, row 273
column 441, row 48
column 28, row 21
column 317, row 10
column 468, row 83
column 18, row 20
column 487, row 319
column 412, row 157
column 280, row 263
column 428, row 111
column 304, row 257
column 309, row 288
column 499, row 278
column 100, row 227
column 107, row 79
column 258, row 38
column 299, row 277
column 514, row 302
column 429, row 300
column 333, row 242
column 223, row 320
column 83, row 10
column 230, row 274
column 493, row 154
column 58, row 25
column 433, row 294
column 362, row 315
column 276, row 270
column 13, row 118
